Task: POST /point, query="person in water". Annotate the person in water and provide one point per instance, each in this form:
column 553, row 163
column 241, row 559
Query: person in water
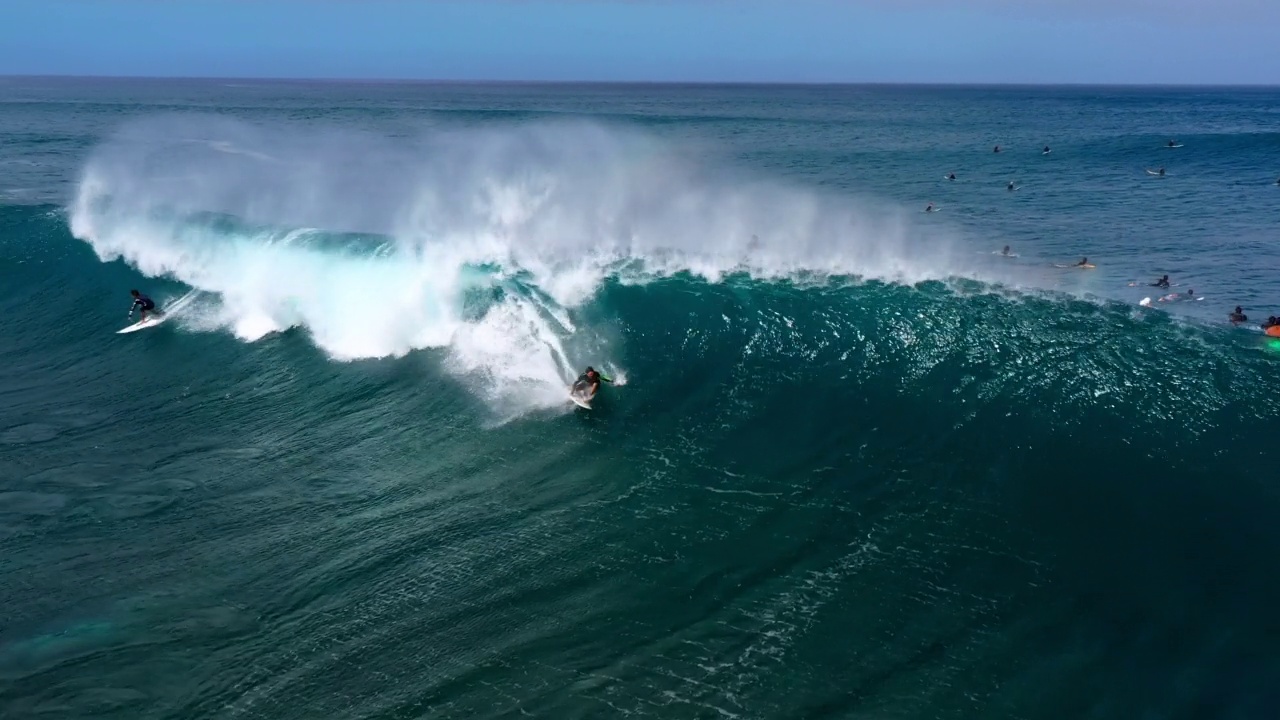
column 952, row 176
column 996, row 149
column 144, row 304
column 1046, row 148
column 1162, row 282
column 1005, row 251
column 1238, row 315
column 1160, row 172
column 1083, row 261
column 1271, row 321
column 1173, row 143
column 928, row 208
column 588, row 383
column 1011, row 186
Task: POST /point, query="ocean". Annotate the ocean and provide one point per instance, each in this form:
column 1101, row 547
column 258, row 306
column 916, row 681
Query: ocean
column 855, row 462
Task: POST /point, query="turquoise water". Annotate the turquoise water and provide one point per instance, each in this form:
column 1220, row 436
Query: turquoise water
column 856, row 464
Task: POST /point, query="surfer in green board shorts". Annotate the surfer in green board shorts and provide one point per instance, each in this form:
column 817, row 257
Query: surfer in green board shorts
column 588, row 383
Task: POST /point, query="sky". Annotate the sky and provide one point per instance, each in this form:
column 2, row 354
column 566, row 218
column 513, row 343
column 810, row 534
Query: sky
column 929, row 41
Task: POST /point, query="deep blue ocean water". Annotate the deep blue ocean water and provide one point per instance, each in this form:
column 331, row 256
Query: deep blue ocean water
column 856, row 463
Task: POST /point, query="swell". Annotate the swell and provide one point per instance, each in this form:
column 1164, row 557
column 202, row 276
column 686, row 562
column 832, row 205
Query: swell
column 1013, row 471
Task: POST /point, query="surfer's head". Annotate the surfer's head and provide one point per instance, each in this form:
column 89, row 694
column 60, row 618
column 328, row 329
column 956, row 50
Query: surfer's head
column 134, row 293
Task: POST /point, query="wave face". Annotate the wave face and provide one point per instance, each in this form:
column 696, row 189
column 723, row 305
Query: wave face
column 475, row 240
column 855, row 466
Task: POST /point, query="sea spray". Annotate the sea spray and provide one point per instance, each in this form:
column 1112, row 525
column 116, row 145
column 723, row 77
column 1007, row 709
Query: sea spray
column 378, row 246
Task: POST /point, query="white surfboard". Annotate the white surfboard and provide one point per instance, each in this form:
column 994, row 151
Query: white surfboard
column 1173, row 147
column 1145, row 302
column 580, row 401
column 152, row 321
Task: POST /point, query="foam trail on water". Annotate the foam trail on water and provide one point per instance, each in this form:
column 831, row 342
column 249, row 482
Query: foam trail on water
column 477, row 240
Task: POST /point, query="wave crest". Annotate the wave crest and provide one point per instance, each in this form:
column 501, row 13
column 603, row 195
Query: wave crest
column 380, row 245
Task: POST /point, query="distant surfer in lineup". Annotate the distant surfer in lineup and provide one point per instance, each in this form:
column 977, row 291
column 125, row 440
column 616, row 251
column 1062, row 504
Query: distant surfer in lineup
column 1084, row 262
column 588, row 383
column 1005, row 251
column 143, row 304
column 1011, row 186
column 929, row 208
column 1173, row 143
column 1237, row 316
column 1046, row 150
column 952, row 176
column 1161, row 283
column 996, row 149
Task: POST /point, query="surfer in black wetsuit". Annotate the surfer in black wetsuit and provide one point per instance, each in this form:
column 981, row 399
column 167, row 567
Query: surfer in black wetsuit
column 1271, row 321
column 588, row 383
column 1083, row 261
column 1161, row 283
column 1238, row 316
column 144, row 304
column 952, row 176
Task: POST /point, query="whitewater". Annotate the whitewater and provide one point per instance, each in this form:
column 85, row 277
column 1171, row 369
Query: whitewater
column 475, row 240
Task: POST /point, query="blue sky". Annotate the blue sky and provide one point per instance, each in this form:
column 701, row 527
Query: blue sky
column 1022, row 41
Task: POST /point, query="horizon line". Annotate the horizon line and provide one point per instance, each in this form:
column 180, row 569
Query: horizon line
column 748, row 83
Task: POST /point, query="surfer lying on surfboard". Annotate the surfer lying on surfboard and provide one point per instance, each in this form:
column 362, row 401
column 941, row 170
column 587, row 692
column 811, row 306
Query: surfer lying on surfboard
column 143, row 303
column 588, row 383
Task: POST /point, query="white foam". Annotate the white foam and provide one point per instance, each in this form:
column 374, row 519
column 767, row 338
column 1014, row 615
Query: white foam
column 557, row 207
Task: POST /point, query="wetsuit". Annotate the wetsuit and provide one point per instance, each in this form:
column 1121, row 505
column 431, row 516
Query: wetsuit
column 1161, row 283
column 144, row 303
column 585, row 383
column 1238, row 317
